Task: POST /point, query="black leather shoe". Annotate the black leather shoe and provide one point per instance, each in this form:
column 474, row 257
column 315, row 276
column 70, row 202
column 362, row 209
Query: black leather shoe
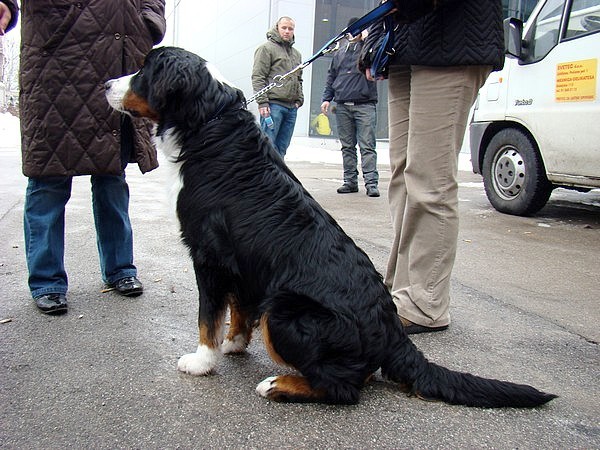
column 52, row 303
column 129, row 287
column 347, row 189
column 415, row 328
column 372, row 191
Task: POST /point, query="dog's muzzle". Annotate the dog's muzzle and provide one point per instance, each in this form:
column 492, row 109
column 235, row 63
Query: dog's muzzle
column 116, row 90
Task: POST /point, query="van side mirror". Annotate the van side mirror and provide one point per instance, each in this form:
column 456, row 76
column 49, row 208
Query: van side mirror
column 513, row 36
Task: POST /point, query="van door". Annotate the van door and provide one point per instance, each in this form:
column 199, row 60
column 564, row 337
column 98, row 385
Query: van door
column 560, row 104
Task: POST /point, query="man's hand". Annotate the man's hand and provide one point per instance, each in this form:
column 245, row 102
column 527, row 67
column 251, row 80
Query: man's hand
column 5, row 17
column 370, row 77
column 264, row 111
column 325, row 107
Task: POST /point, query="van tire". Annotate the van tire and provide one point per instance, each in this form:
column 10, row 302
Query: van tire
column 513, row 172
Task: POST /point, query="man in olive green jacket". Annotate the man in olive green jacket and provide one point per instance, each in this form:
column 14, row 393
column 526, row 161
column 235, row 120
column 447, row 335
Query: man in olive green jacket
column 280, row 104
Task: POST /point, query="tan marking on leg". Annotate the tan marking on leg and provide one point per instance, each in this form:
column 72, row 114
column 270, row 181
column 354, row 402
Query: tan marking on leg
column 293, row 388
column 211, row 336
column 269, row 344
column 238, row 323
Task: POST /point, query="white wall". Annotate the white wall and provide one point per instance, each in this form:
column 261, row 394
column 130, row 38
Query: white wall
column 227, row 32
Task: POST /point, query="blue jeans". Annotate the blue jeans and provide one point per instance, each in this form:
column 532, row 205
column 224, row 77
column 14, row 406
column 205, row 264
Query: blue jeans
column 44, row 223
column 284, row 120
column 356, row 125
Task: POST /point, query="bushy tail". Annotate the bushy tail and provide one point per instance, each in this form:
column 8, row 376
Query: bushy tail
column 409, row 367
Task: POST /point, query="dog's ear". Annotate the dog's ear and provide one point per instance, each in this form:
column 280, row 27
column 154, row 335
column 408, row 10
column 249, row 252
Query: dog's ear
column 182, row 87
column 176, row 80
column 162, row 77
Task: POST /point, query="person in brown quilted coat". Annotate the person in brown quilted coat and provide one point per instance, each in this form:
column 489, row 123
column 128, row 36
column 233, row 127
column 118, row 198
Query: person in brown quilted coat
column 69, row 49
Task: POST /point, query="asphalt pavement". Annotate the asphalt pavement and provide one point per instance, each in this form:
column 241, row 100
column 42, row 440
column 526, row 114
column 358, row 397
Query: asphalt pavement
column 524, row 308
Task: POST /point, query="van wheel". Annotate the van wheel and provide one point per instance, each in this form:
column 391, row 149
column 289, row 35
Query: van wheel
column 513, row 174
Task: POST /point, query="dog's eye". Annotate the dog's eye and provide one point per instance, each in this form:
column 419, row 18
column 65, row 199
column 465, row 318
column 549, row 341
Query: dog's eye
column 133, row 112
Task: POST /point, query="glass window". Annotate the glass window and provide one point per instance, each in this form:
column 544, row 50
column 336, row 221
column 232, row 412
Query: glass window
column 331, row 17
column 543, row 35
column 520, row 9
column 584, row 18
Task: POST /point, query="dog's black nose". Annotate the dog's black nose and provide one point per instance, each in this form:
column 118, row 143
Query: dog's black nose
column 108, row 84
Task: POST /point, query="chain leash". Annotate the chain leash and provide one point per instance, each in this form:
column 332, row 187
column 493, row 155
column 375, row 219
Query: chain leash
column 278, row 80
column 384, row 9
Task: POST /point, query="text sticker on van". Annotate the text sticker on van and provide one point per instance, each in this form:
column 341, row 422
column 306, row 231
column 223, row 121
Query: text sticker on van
column 576, row 81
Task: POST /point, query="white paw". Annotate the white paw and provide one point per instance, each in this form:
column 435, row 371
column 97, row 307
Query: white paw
column 202, row 362
column 265, row 386
column 237, row 345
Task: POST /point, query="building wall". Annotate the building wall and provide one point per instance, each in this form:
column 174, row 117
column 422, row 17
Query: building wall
column 227, row 32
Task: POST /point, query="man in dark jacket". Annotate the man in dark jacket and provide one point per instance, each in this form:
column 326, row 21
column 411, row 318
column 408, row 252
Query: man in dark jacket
column 444, row 51
column 355, row 113
column 68, row 129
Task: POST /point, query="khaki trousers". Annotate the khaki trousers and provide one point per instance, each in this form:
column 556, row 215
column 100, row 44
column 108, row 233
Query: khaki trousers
column 428, row 113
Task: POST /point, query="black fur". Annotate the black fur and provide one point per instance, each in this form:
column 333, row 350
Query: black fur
column 253, row 231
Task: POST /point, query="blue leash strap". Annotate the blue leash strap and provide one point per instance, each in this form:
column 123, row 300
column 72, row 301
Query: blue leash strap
column 370, row 18
column 355, row 28
column 384, row 52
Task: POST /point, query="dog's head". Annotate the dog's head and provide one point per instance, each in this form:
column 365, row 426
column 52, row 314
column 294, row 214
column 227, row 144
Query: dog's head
column 174, row 86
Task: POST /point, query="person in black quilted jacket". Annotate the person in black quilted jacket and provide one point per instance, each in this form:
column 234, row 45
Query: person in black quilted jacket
column 68, row 51
column 443, row 51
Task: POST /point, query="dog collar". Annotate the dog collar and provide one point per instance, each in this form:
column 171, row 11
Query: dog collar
column 219, row 114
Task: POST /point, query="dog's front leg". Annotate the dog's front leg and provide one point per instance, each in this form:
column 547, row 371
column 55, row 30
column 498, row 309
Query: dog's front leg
column 211, row 317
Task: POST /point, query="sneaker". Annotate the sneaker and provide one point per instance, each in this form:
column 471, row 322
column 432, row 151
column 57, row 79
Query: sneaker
column 372, row 191
column 347, row 188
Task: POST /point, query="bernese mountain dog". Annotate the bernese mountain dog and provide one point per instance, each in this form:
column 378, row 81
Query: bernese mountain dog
column 264, row 248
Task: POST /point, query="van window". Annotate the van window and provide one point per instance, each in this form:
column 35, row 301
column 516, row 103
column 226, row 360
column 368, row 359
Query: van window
column 584, row 18
column 544, row 32
column 521, row 9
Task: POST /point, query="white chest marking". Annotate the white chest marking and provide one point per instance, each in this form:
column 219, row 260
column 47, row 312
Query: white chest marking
column 168, row 144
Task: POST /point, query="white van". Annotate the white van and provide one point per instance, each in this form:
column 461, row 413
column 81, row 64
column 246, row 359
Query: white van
column 536, row 123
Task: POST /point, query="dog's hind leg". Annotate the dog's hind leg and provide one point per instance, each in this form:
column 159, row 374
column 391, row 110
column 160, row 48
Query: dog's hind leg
column 213, row 295
column 240, row 329
column 290, row 388
column 302, row 334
